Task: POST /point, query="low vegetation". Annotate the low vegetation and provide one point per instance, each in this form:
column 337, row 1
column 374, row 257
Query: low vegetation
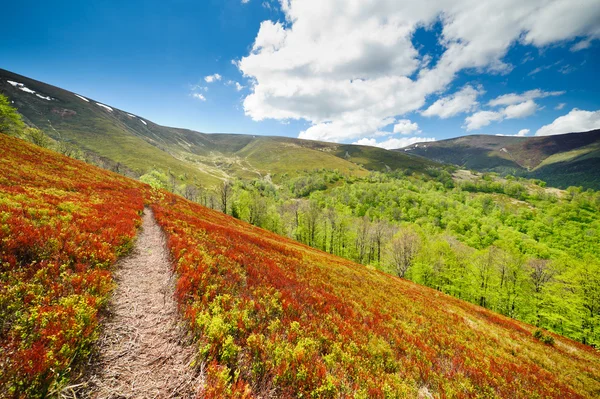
column 273, row 317
column 62, row 226
column 276, row 318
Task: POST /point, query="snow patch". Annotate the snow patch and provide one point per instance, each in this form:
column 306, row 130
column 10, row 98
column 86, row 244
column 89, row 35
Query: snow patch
column 83, row 98
column 104, row 106
column 26, row 89
column 144, row 122
column 131, row 116
column 504, row 150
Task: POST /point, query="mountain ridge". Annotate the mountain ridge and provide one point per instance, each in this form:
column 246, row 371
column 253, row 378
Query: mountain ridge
column 142, row 145
column 560, row 160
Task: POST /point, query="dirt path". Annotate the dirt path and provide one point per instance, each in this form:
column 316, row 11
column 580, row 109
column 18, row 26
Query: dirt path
column 143, row 350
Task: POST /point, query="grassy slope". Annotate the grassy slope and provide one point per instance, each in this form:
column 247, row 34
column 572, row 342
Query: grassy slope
column 206, row 158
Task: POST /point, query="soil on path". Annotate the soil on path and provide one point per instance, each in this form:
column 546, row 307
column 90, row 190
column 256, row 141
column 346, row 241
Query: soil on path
column 143, row 350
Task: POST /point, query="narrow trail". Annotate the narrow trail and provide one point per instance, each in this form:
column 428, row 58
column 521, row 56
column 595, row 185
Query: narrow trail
column 143, row 351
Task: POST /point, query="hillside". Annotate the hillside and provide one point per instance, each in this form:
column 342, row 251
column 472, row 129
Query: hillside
column 561, row 160
column 137, row 146
column 272, row 317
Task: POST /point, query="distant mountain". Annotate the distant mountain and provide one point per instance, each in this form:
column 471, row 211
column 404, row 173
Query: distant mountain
column 137, row 145
column 562, row 160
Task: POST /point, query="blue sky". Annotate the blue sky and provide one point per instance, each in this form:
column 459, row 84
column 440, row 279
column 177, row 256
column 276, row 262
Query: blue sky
column 316, row 69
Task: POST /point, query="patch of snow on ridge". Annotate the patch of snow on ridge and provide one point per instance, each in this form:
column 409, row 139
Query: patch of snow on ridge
column 21, row 86
column 144, row 122
column 26, row 89
column 104, row 106
column 45, row 98
column 83, row 98
column 131, row 116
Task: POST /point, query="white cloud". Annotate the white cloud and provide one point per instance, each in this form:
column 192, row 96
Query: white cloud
column 349, row 67
column 575, row 121
column 405, row 126
column 481, row 119
column 237, row 85
column 582, row 45
column 484, row 118
column 393, row 143
column 462, row 101
column 212, row 78
column 521, row 133
column 560, row 106
column 198, row 96
column 514, row 98
column 520, row 110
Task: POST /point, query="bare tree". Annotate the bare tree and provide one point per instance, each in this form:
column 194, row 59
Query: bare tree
column 402, row 251
column 540, row 272
column 381, row 230
column 225, row 192
column 363, row 236
column 191, row 192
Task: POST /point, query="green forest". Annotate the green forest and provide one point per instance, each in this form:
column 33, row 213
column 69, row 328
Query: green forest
column 508, row 244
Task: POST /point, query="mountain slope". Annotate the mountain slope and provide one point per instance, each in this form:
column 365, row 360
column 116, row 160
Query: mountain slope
column 141, row 145
column 271, row 316
column 561, row 160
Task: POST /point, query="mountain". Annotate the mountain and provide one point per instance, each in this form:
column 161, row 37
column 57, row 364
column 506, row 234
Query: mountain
column 562, row 160
column 135, row 145
column 271, row 317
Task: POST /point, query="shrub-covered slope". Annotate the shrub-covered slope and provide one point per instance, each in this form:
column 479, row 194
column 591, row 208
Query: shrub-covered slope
column 275, row 317
column 272, row 317
column 63, row 223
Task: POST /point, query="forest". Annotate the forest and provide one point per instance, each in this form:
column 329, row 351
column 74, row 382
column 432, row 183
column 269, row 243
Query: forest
column 508, row 244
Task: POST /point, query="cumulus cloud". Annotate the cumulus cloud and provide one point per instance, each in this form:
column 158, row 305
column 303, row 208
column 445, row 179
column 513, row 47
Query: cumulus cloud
column 514, row 98
column 484, row 118
column 393, row 143
column 405, row 126
column 212, row 78
column 575, row 121
column 481, row 119
column 349, row 67
column 462, row 101
column 521, row 133
column 520, row 110
column 198, row 96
